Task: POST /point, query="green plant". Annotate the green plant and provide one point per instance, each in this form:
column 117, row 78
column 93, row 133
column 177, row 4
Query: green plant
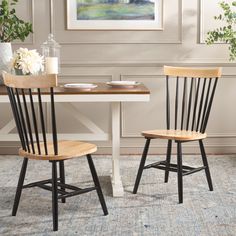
column 226, row 33
column 11, row 27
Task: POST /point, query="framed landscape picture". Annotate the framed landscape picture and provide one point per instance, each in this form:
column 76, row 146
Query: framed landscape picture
column 114, row 14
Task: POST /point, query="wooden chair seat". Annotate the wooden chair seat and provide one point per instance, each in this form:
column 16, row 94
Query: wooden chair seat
column 66, row 150
column 180, row 135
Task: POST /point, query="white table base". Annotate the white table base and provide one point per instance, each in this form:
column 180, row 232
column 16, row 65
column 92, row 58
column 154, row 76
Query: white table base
column 117, row 187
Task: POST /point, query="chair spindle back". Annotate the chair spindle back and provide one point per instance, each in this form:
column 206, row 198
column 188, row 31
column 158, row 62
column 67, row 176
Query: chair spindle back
column 23, row 99
column 191, row 101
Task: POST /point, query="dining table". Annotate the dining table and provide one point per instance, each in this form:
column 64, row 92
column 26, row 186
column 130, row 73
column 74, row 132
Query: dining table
column 103, row 92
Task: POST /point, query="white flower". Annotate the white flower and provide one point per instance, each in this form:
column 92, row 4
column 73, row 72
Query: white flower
column 29, row 61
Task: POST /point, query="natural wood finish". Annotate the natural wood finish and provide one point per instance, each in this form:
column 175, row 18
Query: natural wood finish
column 66, row 150
column 102, row 88
column 193, row 72
column 180, row 135
column 29, row 81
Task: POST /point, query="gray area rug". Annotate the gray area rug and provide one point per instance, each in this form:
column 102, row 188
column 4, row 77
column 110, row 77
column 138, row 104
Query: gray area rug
column 153, row 211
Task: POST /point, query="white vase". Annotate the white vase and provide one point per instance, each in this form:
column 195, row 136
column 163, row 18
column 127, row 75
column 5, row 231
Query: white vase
column 5, row 57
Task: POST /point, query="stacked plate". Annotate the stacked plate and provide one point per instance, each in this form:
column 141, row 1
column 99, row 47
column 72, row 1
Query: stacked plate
column 82, row 86
column 123, row 84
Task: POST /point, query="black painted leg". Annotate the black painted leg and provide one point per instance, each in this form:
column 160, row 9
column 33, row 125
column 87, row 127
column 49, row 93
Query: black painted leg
column 62, row 177
column 141, row 166
column 97, row 184
column 54, row 196
column 168, row 156
column 179, row 171
column 19, row 186
column 205, row 163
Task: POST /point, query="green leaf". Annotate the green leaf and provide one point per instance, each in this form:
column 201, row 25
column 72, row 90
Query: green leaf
column 13, row 11
column 12, row 27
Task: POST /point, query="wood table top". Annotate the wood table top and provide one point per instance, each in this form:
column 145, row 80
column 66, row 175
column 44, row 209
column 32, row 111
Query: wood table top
column 102, row 88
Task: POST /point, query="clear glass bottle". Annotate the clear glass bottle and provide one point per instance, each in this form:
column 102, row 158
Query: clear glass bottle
column 51, row 53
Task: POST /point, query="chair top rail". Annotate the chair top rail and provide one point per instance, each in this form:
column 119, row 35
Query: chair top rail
column 32, row 81
column 193, row 72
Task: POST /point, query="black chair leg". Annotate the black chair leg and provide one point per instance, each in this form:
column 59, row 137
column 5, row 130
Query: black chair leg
column 97, row 184
column 141, row 166
column 54, row 196
column 62, row 177
column 168, row 156
column 19, row 186
column 205, row 163
column 179, row 171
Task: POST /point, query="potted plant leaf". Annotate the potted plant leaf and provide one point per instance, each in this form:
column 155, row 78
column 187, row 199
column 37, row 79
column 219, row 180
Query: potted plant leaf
column 11, row 28
column 226, row 33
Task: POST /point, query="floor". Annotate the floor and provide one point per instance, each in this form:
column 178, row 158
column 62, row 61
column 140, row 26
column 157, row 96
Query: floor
column 153, row 211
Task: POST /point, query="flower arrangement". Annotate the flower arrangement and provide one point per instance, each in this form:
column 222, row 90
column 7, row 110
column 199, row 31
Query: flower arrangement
column 27, row 61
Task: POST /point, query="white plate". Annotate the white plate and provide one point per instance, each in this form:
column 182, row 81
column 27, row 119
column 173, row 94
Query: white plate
column 123, row 84
column 82, row 86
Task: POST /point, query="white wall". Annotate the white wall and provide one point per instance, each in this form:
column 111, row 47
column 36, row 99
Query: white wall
column 139, row 55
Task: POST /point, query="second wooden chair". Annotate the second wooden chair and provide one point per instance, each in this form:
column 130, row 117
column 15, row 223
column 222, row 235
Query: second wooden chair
column 188, row 106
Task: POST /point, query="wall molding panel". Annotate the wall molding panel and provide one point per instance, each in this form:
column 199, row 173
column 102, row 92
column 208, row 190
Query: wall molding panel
column 205, row 18
column 30, row 10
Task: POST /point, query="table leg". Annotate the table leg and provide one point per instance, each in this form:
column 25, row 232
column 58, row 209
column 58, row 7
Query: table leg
column 117, row 186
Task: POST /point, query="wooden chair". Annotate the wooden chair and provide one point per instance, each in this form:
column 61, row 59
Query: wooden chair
column 23, row 102
column 187, row 112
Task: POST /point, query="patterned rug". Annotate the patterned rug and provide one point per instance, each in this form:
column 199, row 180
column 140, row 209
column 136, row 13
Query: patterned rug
column 153, row 211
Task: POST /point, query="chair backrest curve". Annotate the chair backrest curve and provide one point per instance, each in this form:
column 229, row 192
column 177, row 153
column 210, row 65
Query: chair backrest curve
column 193, row 72
column 27, row 82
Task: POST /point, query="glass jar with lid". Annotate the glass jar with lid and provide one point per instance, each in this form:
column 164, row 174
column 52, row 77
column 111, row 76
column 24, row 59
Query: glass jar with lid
column 51, row 53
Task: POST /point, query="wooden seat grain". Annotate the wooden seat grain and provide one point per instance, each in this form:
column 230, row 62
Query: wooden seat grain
column 180, row 135
column 66, row 150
